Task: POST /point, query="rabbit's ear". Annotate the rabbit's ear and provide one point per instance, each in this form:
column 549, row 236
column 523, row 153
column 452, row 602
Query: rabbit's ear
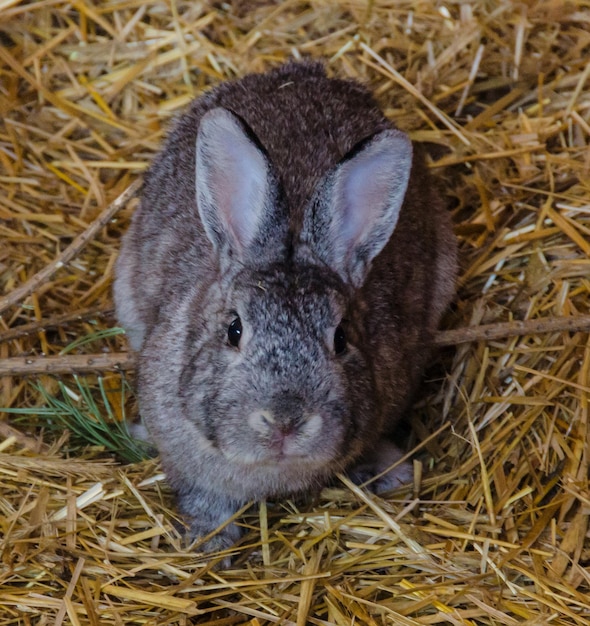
column 233, row 183
column 357, row 205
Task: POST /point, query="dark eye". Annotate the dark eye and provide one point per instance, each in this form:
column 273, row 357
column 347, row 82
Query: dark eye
column 234, row 332
column 339, row 340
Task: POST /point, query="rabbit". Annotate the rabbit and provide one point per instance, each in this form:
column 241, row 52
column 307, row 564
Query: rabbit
column 280, row 282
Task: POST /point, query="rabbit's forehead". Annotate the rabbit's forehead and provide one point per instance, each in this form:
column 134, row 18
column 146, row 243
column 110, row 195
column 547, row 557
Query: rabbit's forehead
column 294, row 295
column 288, row 299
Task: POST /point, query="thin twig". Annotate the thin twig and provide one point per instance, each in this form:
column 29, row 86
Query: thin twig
column 66, row 364
column 56, row 321
column 71, row 251
column 34, row 445
column 488, row 332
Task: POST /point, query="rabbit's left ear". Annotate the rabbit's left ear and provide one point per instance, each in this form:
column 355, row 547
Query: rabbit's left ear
column 357, row 205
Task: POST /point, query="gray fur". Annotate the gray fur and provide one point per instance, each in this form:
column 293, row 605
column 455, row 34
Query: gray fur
column 308, row 245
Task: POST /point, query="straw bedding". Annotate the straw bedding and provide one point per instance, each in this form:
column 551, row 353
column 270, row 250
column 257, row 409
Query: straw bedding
column 495, row 528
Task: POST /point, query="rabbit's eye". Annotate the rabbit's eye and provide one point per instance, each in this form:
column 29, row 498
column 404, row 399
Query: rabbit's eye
column 234, row 332
column 339, row 340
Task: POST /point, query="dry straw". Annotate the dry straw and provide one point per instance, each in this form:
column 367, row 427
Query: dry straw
column 495, row 528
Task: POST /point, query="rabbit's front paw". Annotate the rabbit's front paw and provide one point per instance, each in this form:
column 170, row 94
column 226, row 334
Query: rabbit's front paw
column 214, row 545
column 208, row 530
column 382, row 461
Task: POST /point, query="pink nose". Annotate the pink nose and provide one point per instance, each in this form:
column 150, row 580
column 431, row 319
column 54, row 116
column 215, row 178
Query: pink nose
column 281, row 436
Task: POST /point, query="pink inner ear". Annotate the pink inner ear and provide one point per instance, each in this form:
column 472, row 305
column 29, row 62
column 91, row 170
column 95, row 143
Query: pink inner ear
column 235, row 182
column 233, row 174
column 366, row 191
column 367, row 194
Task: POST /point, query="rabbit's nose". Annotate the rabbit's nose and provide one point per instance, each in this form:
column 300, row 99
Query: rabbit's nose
column 266, row 423
column 286, row 437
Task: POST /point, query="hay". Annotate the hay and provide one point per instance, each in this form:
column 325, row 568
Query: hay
column 496, row 531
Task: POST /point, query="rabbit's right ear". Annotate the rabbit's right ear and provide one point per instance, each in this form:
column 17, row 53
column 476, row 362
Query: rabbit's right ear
column 234, row 187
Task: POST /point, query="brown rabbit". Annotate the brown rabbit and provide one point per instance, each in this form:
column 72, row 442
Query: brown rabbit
column 281, row 281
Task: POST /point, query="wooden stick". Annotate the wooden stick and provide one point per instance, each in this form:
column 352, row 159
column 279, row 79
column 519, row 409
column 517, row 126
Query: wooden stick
column 71, row 251
column 67, row 364
column 34, row 445
column 56, row 321
column 488, row 332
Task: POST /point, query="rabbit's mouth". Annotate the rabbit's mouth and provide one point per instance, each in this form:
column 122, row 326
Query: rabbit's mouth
column 283, row 447
column 278, row 455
